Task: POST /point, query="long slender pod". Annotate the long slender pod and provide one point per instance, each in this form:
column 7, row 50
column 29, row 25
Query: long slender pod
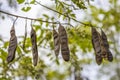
column 109, row 55
column 64, row 43
column 96, row 45
column 34, row 46
column 12, row 44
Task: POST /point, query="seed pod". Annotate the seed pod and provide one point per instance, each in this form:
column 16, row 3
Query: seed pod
column 96, row 38
column 56, row 42
column 12, row 45
column 106, row 46
column 64, row 43
column 34, row 46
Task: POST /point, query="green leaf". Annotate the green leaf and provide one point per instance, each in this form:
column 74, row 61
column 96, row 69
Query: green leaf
column 3, row 54
column 73, row 15
column 40, row 21
column 20, row 1
column 19, row 50
column 6, row 44
column 26, row 9
column 57, row 61
column 32, row 2
column 46, row 16
column 47, row 24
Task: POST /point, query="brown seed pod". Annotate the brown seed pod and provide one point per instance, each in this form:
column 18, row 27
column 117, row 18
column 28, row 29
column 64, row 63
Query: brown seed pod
column 64, row 43
column 34, row 46
column 106, row 46
column 12, row 45
column 96, row 38
column 56, row 42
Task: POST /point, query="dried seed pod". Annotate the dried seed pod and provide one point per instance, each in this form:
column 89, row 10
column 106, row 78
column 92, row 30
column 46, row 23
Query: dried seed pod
column 56, row 42
column 106, row 46
column 64, row 43
column 96, row 38
column 12, row 45
column 34, row 46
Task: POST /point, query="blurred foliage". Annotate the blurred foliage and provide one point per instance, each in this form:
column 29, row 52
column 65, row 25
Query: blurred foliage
column 51, row 68
column 109, row 19
column 10, row 3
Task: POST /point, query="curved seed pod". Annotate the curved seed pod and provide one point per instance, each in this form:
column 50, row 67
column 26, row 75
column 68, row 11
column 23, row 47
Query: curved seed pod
column 12, row 45
column 56, row 42
column 34, row 47
column 64, row 43
column 106, row 46
column 96, row 45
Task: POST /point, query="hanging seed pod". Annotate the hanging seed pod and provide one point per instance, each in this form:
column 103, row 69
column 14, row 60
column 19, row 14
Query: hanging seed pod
column 12, row 45
column 96, row 45
column 34, row 46
column 56, row 42
column 106, row 46
column 64, row 43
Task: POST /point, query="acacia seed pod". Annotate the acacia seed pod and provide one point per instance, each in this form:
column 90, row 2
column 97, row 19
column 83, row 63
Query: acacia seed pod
column 96, row 45
column 34, row 46
column 64, row 43
column 106, row 46
column 56, row 42
column 12, row 45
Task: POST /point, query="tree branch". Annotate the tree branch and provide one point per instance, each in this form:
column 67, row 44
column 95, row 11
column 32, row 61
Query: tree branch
column 33, row 18
column 26, row 17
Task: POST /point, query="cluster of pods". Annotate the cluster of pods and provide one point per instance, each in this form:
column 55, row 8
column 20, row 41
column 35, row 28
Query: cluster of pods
column 60, row 42
column 101, row 46
column 99, row 42
column 13, row 45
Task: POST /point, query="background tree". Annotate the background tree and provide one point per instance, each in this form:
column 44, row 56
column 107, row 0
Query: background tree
column 100, row 14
